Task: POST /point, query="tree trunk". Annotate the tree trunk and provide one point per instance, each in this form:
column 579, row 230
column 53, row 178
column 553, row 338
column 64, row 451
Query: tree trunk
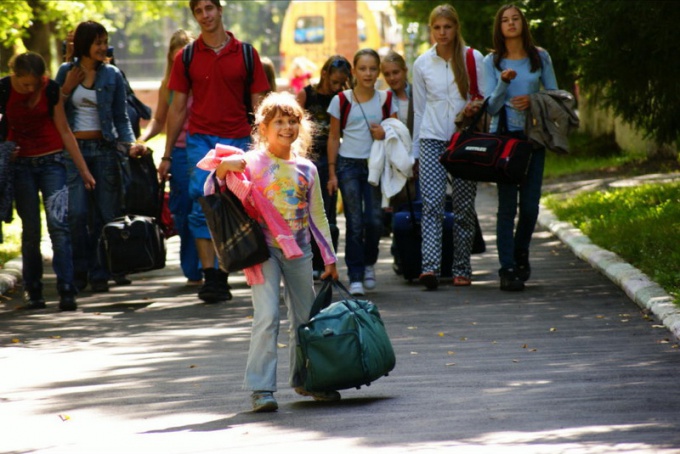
column 39, row 34
column 6, row 53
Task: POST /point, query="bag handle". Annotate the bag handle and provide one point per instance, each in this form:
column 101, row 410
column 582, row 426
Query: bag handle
column 324, row 297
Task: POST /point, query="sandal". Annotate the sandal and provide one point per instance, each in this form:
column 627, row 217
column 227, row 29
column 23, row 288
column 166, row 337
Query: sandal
column 462, row 281
column 429, row 280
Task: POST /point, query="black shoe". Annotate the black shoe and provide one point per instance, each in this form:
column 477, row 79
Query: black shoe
column 121, row 279
column 67, row 297
column 510, row 281
column 80, row 280
column 33, row 305
column 429, row 280
column 215, row 287
column 522, row 264
column 99, row 286
column 33, row 297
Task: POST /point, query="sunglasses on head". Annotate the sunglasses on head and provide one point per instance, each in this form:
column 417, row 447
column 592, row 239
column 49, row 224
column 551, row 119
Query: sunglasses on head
column 339, row 63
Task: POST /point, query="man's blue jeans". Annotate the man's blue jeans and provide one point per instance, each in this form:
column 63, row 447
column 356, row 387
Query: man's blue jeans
column 363, row 213
column 89, row 211
column 180, row 207
column 46, row 175
column 198, row 145
column 527, row 196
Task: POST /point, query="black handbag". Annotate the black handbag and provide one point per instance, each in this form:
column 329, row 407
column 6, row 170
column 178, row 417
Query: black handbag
column 344, row 344
column 238, row 239
column 477, row 156
column 132, row 244
column 141, row 190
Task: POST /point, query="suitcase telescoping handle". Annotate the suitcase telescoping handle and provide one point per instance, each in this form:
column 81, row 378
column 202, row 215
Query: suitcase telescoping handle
column 325, row 295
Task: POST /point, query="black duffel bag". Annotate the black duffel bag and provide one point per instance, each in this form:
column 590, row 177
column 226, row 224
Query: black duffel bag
column 478, row 156
column 132, row 244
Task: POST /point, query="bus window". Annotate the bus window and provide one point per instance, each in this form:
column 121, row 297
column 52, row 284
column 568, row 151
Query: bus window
column 309, row 30
column 361, row 28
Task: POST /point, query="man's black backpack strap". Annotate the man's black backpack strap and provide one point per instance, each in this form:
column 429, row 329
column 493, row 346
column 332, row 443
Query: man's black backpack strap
column 248, row 60
column 187, row 56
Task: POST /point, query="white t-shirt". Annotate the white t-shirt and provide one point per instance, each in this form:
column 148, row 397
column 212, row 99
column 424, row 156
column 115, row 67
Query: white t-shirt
column 356, row 137
column 86, row 114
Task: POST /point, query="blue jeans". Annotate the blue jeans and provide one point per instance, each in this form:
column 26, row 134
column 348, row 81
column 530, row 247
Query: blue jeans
column 89, row 211
column 363, row 213
column 46, row 175
column 180, row 207
column 198, row 145
column 298, row 295
column 509, row 239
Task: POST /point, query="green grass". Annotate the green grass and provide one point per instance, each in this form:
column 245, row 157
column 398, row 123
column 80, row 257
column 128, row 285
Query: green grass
column 640, row 224
column 587, row 154
column 11, row 246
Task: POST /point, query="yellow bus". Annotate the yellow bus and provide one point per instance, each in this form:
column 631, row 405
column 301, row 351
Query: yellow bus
column 310, row 30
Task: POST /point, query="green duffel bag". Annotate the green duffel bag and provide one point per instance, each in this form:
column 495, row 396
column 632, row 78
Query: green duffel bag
column 344, row 344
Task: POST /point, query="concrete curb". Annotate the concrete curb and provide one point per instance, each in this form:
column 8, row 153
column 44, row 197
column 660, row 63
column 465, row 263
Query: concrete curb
column 10, row 275
column 638, row 286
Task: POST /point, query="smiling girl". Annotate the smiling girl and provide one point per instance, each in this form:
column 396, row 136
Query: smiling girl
column 94, row 94
column 277, row 167
column 348, row 166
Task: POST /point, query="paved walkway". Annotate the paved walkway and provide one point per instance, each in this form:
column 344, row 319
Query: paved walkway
column 571, row 365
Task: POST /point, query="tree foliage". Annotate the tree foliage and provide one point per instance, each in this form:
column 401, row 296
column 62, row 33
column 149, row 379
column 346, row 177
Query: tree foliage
column 625, row 53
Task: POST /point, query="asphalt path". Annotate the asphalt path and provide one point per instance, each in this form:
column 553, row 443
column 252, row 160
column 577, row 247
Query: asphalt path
column 570, row 365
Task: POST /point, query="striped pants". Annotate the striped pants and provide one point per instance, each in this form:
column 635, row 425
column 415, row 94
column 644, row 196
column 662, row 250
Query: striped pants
column 433, row 178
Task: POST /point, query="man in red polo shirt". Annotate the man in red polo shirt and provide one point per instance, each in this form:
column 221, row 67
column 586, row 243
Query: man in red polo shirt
column 217, row 78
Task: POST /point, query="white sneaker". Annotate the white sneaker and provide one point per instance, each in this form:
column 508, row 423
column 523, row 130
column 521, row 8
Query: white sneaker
column 356, row 289
column 369, row 277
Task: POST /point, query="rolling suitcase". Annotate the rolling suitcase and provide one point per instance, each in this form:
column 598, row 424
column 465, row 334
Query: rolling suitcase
column 408, row 241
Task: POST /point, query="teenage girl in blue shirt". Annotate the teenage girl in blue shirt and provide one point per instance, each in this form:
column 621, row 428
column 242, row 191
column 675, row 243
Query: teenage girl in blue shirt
column 515, row 69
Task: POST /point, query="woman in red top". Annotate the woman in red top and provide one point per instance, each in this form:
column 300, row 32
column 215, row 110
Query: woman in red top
column 36, row 123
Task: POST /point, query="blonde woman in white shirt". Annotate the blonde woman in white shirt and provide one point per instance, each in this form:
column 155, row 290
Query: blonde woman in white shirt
column 441, row 90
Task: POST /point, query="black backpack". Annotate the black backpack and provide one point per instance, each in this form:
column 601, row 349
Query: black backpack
column 248, row 59
column 6, row 88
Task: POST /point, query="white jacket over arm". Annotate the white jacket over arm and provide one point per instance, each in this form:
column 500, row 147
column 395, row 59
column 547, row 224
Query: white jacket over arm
column 391, row 161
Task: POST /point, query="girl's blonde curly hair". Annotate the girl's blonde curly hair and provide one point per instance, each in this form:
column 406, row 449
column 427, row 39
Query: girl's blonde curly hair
column 285, row 104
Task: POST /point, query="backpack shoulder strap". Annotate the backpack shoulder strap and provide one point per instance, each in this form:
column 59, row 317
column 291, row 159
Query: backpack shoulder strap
column 345, row 106
column 472, row 73
column 248, row 60
column 52, row 92
column 387, row 104
column 187, row 56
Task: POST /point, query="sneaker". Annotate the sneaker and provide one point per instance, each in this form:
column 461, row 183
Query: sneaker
column 429, row 280
column 369, row 277
column 510, row 281
column 356, row 289
column 319, row 396
column 33, row 298
column 523, row 266
column 264, row 402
